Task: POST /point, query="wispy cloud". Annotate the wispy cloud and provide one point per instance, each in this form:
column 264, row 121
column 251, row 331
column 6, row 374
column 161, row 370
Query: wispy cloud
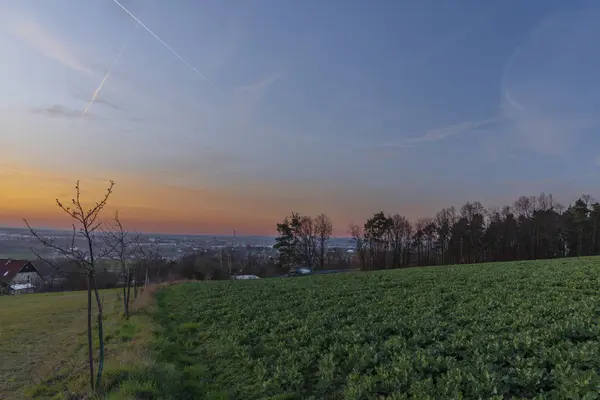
column 57, row 111
column 247, row 98
column 546, row 133
column 548, row 88
column 261, row 85
column 98, row 100
column 438, row 134
column 107, row 103
column 435, row 135
column 513, row 103
column 45, row 42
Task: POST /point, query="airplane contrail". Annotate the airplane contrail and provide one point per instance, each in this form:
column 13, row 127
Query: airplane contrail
column 176, row 54
column 99, row 88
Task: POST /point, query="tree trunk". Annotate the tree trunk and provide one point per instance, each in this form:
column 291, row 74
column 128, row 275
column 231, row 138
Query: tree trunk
column 322, row 266
column 89, row 331
column 428, row 252
column 443, row 253
column 100, row 335
column 580, row 247
column 128, row 292
column 533, row 244
column 125, row 297
column 594, row 247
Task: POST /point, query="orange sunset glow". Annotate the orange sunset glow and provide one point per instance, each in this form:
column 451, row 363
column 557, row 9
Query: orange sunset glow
column 144, row 205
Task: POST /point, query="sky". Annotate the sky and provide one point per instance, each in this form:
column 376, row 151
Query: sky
column 215, row 115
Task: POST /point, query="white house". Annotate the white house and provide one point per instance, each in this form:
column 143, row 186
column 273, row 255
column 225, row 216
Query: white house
column 19, row 275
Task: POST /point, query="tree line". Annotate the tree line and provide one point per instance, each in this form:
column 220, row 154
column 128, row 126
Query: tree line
column 533, row 227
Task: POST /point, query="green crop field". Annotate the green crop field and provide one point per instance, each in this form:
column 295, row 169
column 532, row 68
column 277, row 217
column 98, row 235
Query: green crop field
column 514, row 330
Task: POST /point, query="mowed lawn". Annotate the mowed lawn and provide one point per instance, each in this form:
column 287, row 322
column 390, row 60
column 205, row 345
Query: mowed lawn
column 513, row 330
column 43, row 336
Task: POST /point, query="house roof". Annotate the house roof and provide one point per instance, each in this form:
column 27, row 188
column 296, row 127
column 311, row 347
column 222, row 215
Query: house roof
column 10, row 268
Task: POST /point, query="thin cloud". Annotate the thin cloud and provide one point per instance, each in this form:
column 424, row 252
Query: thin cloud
column 435, row 135
column 100, row 100
column 513, row 103
column 548, row 88
column 58, row 111
column 262, row 84
column 107, row 103
column 43, row 41
column 246, row 99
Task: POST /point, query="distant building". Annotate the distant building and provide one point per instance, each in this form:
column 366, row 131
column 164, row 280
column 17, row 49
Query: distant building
column 18, row 276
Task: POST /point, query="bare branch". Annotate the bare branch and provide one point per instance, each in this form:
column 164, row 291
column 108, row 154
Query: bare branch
column 73, row 214
column 70, row 254
column 54, row 265
column 92, row 214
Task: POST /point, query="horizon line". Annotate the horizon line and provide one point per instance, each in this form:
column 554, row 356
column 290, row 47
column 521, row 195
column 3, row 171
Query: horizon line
column 160, row 233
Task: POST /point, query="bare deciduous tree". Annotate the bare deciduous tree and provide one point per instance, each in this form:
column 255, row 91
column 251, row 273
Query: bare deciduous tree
column 149, row 263
column 323, row 231
column 86, row 224
column 524, row 206
column 120, row 248
column 358, row 238
column 399, row 233
column 305, row 232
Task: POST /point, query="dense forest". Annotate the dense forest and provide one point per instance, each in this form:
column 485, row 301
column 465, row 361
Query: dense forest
column 534, row 227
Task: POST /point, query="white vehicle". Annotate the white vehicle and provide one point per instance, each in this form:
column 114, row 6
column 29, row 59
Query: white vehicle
column 246, row 277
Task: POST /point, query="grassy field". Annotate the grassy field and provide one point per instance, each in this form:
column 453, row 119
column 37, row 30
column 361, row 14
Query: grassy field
column 43, row 343
column 514, row 330
column 517, row 330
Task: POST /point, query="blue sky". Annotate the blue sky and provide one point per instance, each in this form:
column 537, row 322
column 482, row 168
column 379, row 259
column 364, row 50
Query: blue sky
column 344, row 107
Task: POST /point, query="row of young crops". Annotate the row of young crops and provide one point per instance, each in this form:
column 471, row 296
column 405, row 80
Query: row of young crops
column 516, row 330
